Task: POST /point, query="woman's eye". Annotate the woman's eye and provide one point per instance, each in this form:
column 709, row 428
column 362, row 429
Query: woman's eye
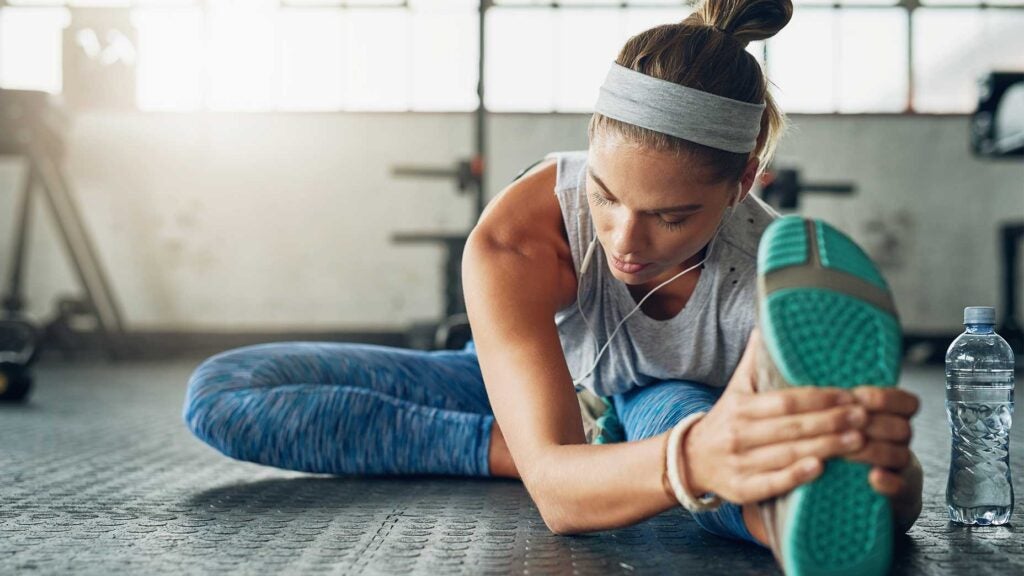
column 598, row 199
column 672, row 224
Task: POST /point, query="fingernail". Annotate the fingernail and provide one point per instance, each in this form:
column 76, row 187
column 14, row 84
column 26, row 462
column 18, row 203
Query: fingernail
column 856, row 417
column 851, row 438
column 810, row 465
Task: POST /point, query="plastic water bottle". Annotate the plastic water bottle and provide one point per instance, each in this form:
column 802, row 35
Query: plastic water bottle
column 979, row 407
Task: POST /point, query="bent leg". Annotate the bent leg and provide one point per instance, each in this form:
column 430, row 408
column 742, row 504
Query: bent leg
column 341, row 408
column 651, row 410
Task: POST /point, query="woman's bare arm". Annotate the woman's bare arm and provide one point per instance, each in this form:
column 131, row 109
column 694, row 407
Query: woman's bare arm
column 517, row 272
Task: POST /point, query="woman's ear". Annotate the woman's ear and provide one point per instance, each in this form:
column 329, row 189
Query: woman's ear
column 747, row 181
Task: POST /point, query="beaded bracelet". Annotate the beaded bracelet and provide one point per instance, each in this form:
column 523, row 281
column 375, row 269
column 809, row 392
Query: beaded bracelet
column 679, row 487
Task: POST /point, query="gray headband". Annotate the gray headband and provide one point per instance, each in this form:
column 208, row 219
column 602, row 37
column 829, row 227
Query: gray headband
column 687, row 113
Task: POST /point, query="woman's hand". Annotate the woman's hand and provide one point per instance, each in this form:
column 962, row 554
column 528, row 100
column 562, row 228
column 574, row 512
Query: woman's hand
column 754, row 445
column 888, row 437
column 895, row 471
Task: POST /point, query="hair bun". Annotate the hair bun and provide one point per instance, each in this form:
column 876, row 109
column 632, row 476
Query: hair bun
column 746, row 20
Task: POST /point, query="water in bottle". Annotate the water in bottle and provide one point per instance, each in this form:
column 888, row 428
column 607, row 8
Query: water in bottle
column 979, row 407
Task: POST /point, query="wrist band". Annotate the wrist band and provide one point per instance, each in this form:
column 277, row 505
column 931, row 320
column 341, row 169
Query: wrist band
column 679, row 486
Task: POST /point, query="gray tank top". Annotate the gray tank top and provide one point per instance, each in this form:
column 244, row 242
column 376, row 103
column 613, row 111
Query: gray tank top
column 703, row 343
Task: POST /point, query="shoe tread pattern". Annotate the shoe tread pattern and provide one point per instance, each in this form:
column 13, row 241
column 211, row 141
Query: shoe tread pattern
column 838, row 524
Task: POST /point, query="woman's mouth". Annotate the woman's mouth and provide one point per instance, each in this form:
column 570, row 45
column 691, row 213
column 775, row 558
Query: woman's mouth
column 628, row 267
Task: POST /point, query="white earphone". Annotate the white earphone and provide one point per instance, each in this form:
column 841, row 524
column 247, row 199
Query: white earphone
column 585, row 265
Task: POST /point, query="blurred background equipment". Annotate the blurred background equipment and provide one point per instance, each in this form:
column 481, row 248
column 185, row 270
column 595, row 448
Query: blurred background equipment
column 782, row 188
column 452, row 330
column 997, row 126
column 32, row 126
column 997, row 132
column 1011, row 326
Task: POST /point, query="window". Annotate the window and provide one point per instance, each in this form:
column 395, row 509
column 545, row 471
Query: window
column 954, row 46
column 30, row 48
column 857, row 56
column 570, row 50
column 828, row 60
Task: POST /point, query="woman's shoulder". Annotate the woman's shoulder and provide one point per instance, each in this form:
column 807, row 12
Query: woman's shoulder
column 527, row 205
column 526, row 218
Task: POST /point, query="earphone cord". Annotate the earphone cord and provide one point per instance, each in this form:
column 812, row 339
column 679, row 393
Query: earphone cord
column 579, row 286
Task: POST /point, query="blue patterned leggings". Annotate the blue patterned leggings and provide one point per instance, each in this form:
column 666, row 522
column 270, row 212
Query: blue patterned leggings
column 338, row 408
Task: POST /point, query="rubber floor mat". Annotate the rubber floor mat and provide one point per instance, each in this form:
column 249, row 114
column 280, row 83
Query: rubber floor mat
column 98, row 475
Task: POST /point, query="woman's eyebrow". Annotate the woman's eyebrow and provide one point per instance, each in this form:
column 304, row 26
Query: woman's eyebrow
column 679, row 208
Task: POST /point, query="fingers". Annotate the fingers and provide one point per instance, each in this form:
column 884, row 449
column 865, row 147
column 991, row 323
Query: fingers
column 777, row 456
column 793, row 401
column 883, row 454
column 786, row 428
column 757, row 487
column 886, row 482
column 890, row 400
column 889, row 428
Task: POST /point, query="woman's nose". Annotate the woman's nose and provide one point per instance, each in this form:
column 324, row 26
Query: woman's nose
column 627, row 236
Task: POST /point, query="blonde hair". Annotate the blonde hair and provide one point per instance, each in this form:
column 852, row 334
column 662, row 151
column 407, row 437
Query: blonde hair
column 707, row 51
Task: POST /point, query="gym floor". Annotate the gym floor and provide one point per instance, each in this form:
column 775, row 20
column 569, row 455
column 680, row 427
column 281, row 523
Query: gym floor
column 98, row 474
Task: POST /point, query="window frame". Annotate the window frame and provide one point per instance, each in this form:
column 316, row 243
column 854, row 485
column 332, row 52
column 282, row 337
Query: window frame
column 206, row 6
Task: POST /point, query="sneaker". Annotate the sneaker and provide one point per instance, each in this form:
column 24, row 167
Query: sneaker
column 827, row 318
column 601, row 424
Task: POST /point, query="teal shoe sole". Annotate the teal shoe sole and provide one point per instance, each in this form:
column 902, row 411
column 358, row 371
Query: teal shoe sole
column 828, row 319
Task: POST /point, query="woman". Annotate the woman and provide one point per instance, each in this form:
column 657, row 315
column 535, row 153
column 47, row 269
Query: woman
column 649, row 246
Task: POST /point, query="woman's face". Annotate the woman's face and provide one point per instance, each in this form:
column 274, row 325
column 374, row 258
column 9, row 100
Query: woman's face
column 653, row 211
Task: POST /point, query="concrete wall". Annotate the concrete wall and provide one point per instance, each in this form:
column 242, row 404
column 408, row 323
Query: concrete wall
column 283, row 221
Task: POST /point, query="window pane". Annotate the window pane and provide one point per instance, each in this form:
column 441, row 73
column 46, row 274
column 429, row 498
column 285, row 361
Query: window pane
column 379, row 70
column 99, row 2
column 373, row 2
column 588, row 42
column 873, row 60
column 240, row 4
column 242, row 70
column 312, row 53
column 30, row 48
column 170, row 58
column 801, row 62
column 444, row 4
column 520, row 75
column 445, row 59
column 952, row 48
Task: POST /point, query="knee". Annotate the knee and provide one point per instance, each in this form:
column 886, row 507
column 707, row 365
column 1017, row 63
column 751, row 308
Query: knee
column 652, row 410
column 207, row 406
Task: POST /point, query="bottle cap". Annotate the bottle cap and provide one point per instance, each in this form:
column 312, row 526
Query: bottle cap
column 979, row 315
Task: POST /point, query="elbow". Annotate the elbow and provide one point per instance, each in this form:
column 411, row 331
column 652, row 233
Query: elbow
column 559, row 517
column 557, row 525
column 565, row 510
